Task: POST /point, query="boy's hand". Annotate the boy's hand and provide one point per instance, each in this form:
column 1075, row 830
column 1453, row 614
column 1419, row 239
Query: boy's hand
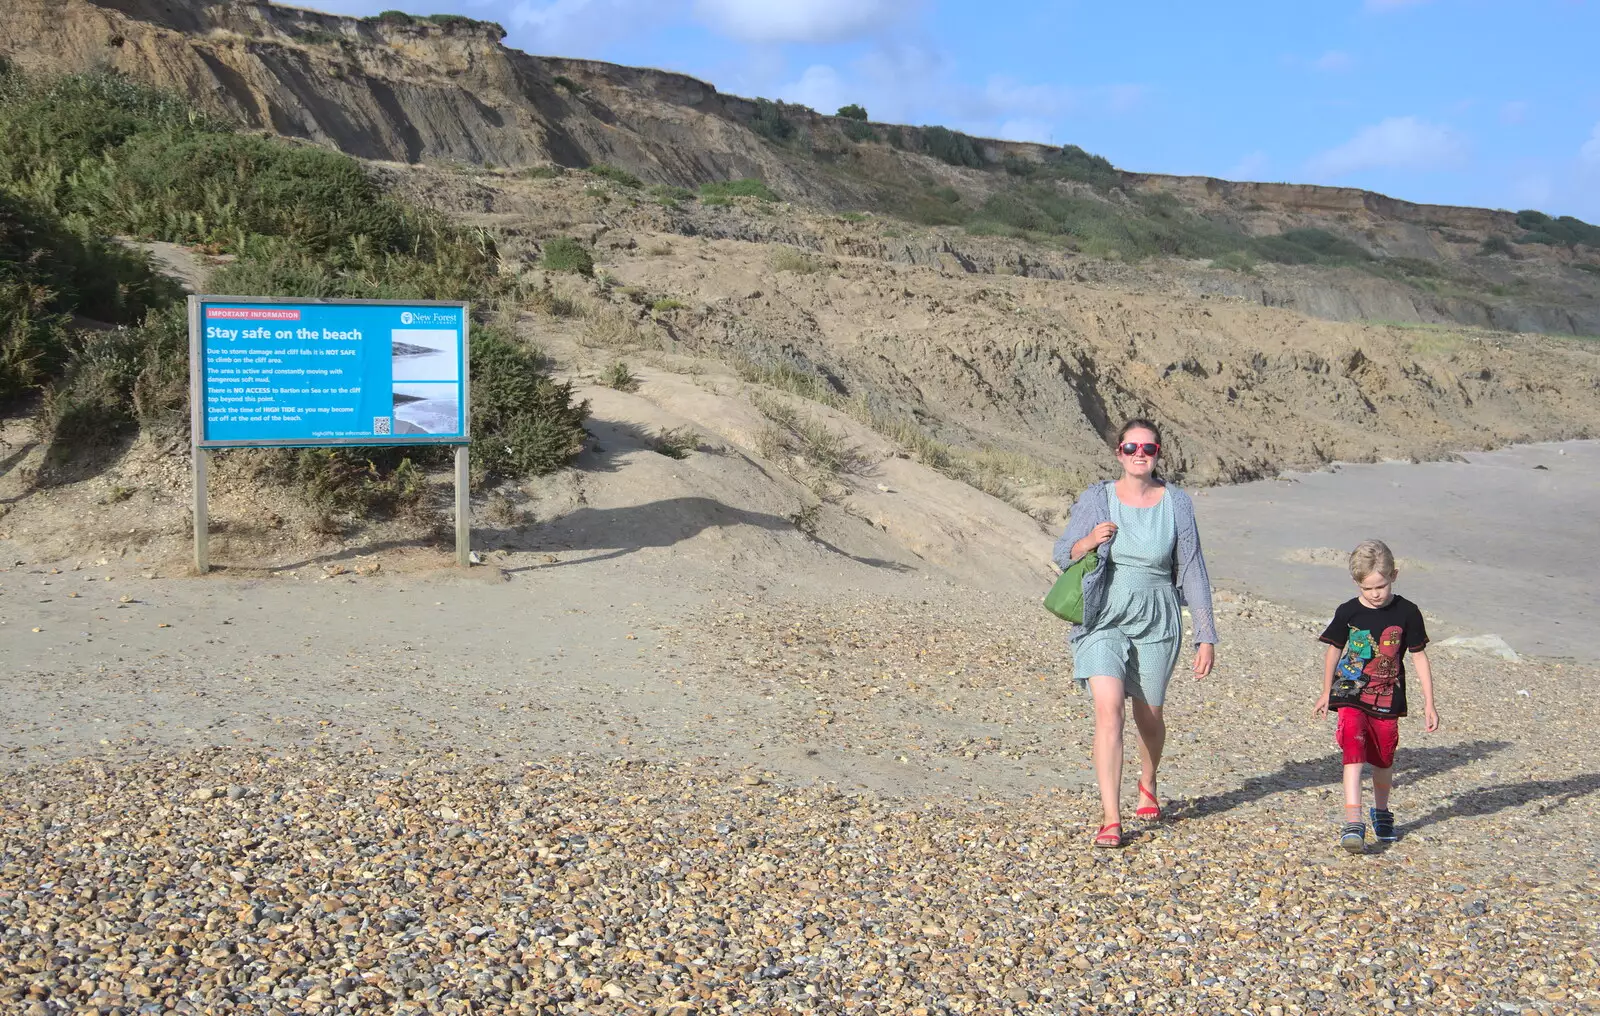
column 1321, row 708
column 1430, row 717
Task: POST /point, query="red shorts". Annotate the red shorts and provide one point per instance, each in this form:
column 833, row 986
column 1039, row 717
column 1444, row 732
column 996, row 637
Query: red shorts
column 1367, row 738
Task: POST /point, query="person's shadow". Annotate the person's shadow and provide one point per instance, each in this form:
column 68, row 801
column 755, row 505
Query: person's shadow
column 1413, row 764
column 1489, row 800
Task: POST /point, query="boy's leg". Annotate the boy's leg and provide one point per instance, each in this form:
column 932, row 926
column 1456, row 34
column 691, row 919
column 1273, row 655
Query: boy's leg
column 1352, row 791
column 1385, row 736
column 1108, row 720
column 1382, row 781
column 1351, row 737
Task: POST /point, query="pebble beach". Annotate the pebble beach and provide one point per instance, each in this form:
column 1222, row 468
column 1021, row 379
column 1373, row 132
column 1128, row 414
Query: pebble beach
column 875, row 802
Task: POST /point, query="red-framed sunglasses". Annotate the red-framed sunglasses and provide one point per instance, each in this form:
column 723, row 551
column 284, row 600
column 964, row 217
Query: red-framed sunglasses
column 1150, row 448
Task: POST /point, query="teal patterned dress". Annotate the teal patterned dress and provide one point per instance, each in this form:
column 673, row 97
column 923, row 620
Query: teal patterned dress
column 1139, row 632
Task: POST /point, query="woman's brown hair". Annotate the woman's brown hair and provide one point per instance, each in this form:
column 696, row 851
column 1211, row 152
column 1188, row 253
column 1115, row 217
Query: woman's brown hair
column 1137, row 423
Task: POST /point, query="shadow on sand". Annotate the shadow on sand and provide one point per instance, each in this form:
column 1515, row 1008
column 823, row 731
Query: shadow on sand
column 618, row 532
column 1412, row 764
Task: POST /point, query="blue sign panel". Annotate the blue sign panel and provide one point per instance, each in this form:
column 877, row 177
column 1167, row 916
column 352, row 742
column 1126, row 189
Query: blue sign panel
column 327, row 372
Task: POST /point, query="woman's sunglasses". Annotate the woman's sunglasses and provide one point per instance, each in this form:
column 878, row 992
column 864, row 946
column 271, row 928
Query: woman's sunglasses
column 1150, row 448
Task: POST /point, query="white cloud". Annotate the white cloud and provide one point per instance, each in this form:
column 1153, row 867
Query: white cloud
column 580, row 27
column 1334, row 61
column 778, row 21
column 900, row 82
column 1251, row 167
column 1513, row 112
column 1590, row 152
column 1402, row 142
column 819, row 87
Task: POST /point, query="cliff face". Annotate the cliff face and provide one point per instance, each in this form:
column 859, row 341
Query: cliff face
column 400, row 92
column 448, row 92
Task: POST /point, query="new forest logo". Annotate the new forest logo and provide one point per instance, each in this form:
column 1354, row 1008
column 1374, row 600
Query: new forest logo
column 423, row 317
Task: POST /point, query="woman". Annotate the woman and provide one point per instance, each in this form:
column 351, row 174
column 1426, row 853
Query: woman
column 1128, row 644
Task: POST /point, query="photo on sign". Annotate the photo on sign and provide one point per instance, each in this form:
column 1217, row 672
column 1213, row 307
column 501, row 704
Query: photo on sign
column 427, row 408
column 426, row 354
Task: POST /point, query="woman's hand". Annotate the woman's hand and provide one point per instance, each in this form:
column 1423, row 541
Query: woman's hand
column 1204, row 656
column 1099, row 536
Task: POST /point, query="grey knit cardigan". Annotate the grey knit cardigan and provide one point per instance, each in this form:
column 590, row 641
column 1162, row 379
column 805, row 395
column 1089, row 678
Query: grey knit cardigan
column 1188, row 566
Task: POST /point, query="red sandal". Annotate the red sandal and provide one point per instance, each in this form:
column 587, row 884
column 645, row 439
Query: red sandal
column 1107, row 840
column 1149, row 812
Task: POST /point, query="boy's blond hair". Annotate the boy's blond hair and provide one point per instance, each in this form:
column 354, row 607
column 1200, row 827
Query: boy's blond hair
column 1372, row 557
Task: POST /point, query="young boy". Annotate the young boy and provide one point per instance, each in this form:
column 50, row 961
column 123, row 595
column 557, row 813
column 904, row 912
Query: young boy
column 1364, row 678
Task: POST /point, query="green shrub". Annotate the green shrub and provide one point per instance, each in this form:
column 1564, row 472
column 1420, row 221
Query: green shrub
column 48, row 271
column 394, row 18
column 1496, row 244
column 621, row 378
column 95, row 154
column 670, row 196
column 676, row 443
column 1236, row 261
column 666, row 304
column 853, row 111
column 565, row 254
column 786, row 259
column 453, row 21
column 784, row 376
column 1016, row 165
column 1073, row 163
column 1563, row 231
column 949, row 146
column 1310, row 247
column 562, row 81
column 524, row 422
column 855, row 130
column 722, row 191
column 895, row 136
column 544, row 172
column 115, row 382
column 1584, row 266
column 769, row 122
column 616, row 175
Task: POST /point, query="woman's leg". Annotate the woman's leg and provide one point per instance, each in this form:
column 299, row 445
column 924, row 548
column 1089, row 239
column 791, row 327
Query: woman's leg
column 1108, row 720
column 1152, row 739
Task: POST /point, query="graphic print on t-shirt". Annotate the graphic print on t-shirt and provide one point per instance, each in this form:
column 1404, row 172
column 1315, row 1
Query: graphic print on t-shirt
column 1382, row 671
column 1351, row 672
column 1368, row 667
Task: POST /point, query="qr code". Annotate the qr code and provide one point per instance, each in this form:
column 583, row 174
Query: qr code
column 380, row 425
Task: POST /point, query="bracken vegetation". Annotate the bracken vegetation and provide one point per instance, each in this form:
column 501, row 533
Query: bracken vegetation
column 721, row 192
column 87, row 157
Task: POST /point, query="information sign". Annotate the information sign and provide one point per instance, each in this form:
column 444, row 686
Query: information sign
column 285, row 373
column 266, row 373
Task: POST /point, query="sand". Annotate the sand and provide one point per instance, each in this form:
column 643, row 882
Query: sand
column 1504, row 542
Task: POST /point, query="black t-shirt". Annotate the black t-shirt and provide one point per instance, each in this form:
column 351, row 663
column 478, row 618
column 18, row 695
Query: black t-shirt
column 1371, row 672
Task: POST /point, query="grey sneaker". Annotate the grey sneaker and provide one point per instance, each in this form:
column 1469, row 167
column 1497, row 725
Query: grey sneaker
column 1383, row 826
column 1353, row 837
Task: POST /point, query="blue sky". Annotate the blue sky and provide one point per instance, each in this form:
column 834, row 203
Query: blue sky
column 1470, row 102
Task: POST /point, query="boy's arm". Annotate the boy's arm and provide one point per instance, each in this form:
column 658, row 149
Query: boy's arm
column 1419, row 659
column 1329, row 658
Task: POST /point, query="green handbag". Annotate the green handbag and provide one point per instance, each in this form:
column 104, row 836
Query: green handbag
column 1065, row 598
